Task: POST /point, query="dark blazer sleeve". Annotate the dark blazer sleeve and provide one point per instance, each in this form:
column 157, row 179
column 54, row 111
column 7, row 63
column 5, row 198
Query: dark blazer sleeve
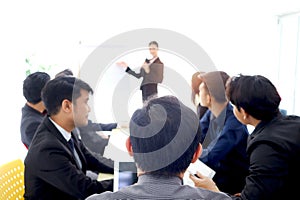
column 133, row 73
column 107, row 127
column 92, row 126
column 94, row 142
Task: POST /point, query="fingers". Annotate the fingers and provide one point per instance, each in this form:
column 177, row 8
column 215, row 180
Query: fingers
column 204, row 182
column 200, row 175
column 197, row 181
column 237, row 195
column 193, row 178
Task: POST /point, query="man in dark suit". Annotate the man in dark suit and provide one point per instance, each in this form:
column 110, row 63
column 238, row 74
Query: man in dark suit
column 93, row 141
column 34, row 110
column 56, row 162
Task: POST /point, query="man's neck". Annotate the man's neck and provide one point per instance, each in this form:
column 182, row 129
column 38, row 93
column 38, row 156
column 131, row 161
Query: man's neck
column 140, row 172
column 62, row 122
column 254, row 122
column 38, row 107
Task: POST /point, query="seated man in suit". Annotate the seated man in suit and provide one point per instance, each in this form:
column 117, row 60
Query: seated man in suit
column 164, row 140
column 88, row 133
column 56, row 162
column 34, row 110
column 93, row 141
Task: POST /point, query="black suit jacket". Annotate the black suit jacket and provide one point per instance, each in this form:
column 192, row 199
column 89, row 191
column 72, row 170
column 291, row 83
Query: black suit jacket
column 153, row 77
column 91, row 139
column 51, row 171
column 30, row 121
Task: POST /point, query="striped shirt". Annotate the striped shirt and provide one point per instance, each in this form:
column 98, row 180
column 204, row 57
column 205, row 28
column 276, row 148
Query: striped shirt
column 160, row 187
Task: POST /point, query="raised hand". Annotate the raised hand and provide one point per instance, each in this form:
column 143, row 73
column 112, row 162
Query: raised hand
column 122, row 64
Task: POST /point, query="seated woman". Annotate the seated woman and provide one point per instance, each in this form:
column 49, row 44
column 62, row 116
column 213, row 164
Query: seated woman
column 224, row 138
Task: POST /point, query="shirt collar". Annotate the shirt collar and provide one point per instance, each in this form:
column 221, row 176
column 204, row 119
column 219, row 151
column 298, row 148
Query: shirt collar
column 67, row 135
column 146, row 178
column 220, row 120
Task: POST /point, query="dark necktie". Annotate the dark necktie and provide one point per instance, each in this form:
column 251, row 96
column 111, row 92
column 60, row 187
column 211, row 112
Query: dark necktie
column 71, row 144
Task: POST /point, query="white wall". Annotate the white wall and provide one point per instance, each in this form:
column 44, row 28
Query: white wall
column 239, row 36
column 289, row 62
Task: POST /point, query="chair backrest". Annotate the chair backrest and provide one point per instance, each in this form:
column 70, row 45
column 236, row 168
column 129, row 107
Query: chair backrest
column 12, row 180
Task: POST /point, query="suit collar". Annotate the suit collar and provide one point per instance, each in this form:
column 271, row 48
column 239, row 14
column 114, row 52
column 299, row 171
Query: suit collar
column 51, row 127
column 67, row 135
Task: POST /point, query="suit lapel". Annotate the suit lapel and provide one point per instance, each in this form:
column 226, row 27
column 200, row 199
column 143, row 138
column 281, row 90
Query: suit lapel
column 59, row 136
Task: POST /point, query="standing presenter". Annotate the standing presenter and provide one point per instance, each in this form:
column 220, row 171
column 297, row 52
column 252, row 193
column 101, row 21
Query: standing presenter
column 151, row 71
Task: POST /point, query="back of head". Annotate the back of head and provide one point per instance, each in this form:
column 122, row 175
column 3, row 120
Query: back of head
column 164, row 135
column 66, row 72
column 215, row 82
column 256, row 95
column 33, row 85
column 61, row 88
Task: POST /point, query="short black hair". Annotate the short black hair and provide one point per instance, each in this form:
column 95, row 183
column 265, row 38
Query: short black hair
column 33, row 85
column 61, row 88
column 164, row 135
column 255, row 94
column 154, row 43
column 65, row 72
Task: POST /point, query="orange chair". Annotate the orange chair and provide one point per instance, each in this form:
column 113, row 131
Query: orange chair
column 12, row 180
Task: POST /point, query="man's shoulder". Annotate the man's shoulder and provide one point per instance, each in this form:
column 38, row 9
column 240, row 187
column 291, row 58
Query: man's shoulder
column 232, row 123
column 200, row 193
column 183, row 192
column 45, row 137
column 29, row 111
column 44, row 145
column 104, row 195
column 134, row 191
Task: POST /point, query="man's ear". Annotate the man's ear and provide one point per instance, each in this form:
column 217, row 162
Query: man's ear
column 66, row 106
column 244, row 114
column 129, row 147
column 197, row 153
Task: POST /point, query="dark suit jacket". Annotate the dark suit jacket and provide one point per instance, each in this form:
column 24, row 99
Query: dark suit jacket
column 91, row 139
column 51, row 171
column 30, row 121
column 154, row 76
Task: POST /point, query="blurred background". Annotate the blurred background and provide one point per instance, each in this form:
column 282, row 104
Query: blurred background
column 248, row 37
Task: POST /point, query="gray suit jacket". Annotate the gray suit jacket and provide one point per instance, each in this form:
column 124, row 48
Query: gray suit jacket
column 160, row 187
column 154, row 76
